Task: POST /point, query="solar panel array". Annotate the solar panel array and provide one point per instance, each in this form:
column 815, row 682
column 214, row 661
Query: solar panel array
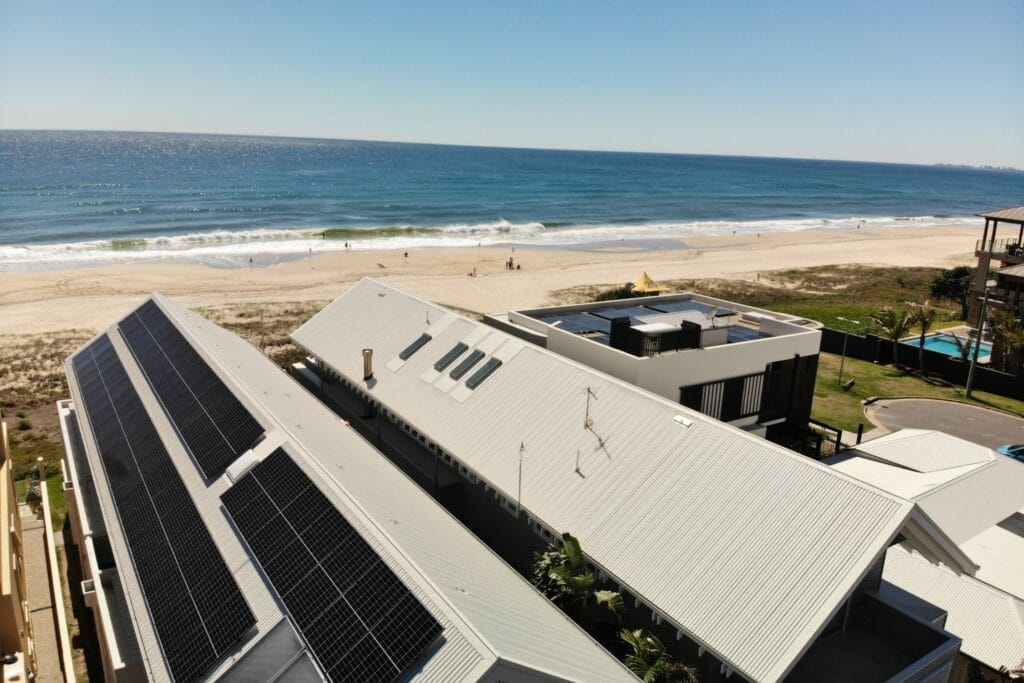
column 738, row 333
column 195, row 605
column 578, row 323
column 358, row 619
column 690, row 305
column 211, row 421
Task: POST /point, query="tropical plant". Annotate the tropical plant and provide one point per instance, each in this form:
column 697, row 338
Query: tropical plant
column 955, row 284
column 893, row 323
column 923, row 315
column 649, row 661
column 1008, row 335
column 561, row 573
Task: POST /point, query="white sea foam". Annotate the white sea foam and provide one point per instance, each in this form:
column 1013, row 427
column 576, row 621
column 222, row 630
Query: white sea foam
column 226, row 247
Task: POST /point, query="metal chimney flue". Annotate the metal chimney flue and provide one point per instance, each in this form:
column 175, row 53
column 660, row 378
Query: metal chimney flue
column 367, row 364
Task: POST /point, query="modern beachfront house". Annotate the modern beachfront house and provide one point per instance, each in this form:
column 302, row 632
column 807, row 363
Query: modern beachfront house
column 1006, row 249
column 976, row 496
column 747, row 366
column 230, row 527
column 751, row 561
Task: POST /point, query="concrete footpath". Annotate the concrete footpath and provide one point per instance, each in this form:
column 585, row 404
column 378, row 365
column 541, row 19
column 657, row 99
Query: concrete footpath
column 40, row 602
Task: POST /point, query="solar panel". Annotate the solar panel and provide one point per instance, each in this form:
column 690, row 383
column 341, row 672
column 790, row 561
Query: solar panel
column 613, row 313
column 483, row 373
column 449, row 358
column 194, row 603
column 690, row 305
column 738, row 333
column 213, row 424
column 358, row 619
column 407, row 352
column 468, row 362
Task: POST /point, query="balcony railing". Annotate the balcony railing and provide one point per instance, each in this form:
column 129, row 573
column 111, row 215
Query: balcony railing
column 1005, row 247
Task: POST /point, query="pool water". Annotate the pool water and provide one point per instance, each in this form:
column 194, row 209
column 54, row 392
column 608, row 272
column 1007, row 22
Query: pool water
column 947, row 344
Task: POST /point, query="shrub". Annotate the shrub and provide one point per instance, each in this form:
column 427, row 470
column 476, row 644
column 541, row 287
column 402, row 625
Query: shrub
column 24, row 425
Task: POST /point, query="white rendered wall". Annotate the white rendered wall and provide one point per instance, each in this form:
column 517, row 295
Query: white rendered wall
column 666, row 373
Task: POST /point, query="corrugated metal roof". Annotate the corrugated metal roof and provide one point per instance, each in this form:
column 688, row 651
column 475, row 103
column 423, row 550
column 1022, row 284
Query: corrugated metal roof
column 746, row 546
column 963, row 501
column 493, row 613
column 1014, row 214
column 1012, row 271
column 899, row 481
column 990, row 622
column 999, row 550
column 924, row 450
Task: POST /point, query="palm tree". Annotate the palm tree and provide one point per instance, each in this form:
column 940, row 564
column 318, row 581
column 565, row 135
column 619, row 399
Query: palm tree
column 562, row 575
column 893, row 324
column 923, row 316
column 649, row 661
column 1009, row 336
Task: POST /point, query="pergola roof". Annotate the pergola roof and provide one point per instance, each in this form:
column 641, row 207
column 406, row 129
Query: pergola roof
column 1014, row 214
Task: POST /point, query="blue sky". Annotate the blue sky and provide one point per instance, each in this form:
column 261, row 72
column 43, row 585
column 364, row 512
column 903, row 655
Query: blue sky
column 919, row 82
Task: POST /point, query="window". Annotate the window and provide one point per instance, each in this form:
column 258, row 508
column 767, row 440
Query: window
column 406, row 354
column 449, row 358
column 463, row 367
column 483, row 373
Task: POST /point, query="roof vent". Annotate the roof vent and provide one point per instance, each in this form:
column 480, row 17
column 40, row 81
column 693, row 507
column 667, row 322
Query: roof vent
column 367, row 364
column 683, row 420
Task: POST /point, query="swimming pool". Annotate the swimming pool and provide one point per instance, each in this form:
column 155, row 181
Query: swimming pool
column 945, row 343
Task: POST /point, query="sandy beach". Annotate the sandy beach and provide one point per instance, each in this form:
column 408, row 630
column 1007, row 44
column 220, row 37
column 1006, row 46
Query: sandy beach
column 89, row 299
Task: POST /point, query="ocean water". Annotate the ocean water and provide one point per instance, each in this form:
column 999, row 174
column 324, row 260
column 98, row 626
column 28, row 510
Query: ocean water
column 78, row 198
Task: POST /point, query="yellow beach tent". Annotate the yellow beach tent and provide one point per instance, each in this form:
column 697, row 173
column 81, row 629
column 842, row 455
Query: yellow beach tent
column 646, row 285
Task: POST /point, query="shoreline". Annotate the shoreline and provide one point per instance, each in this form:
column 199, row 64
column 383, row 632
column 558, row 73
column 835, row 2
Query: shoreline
column 270, row 246
column 91, row 298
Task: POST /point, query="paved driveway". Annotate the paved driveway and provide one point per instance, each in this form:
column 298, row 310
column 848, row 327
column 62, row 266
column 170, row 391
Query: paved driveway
column 980, row 425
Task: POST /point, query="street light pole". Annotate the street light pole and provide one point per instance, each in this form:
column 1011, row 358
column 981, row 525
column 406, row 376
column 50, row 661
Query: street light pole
column 846, row 338
column 977, row 346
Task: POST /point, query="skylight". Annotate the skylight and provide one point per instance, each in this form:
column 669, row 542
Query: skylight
column 449, row 358
column 483, row 373
column 414, row 347
column 463, row 367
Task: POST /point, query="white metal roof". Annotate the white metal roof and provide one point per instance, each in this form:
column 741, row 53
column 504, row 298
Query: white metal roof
column 492, row 616
column 990, row 622
column 924, row 450
column 999, row 551
column 979, row 489
column 485, row 602
column 746, row 546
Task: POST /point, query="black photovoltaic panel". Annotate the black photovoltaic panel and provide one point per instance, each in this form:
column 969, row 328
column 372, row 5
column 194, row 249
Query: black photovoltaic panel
column 699, row 306
column 407, row 352
column 578, row 323
column 358, row 619
column 483, row 373
column 212, row 423
column 195, row 605
column 449, row 358
column 468, row 362
column 737, row 333
column 613, row 313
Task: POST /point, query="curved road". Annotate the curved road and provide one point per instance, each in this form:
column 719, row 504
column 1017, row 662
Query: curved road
column 980, row 425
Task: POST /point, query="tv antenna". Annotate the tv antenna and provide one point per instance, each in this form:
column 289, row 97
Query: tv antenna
column 587, row 422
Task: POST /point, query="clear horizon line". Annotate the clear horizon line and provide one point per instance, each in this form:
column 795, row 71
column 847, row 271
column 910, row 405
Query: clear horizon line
column 983, row 167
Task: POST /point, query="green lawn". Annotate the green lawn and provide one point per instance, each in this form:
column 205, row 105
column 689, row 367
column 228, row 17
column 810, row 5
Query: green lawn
column 843, row 409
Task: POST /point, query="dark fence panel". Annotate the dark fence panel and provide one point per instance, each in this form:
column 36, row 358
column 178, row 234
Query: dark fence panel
column 875, row 349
